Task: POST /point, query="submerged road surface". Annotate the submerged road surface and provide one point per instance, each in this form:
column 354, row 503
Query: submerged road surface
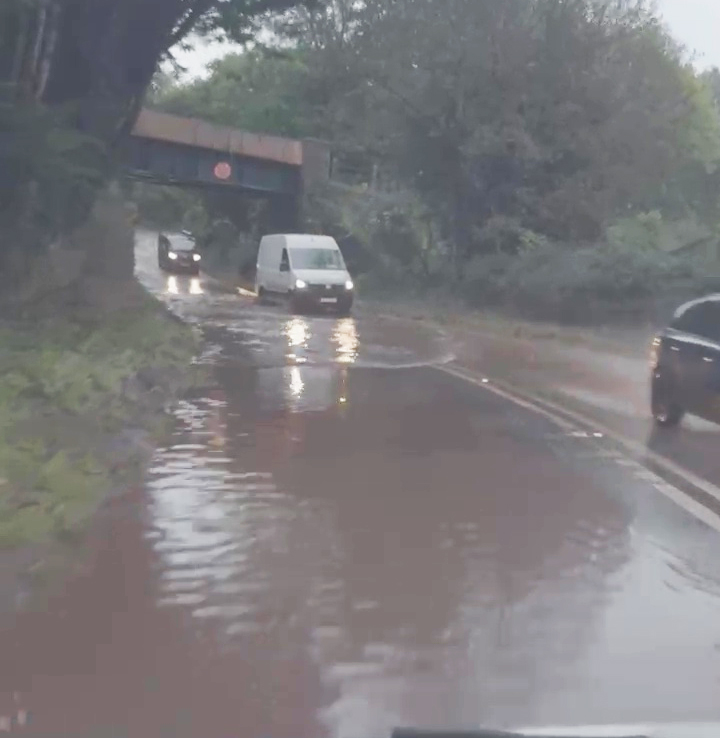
column 342, row 538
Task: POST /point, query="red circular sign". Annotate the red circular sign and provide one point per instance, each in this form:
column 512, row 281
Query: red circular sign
column 222, row 170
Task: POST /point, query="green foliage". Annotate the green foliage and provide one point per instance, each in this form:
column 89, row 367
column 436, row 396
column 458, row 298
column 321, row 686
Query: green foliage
column 395, row 229
column 65, row 495
column 644, row 232
column 160, row 206
column 64, row 389
column 584, row 285
column 49, row 172
column 237, row 20
column 504, row 235
column 252, row 91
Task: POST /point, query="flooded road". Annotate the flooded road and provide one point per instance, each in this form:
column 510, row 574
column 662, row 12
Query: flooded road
column 340, row 538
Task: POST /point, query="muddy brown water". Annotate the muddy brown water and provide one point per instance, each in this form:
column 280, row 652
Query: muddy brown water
column 340, row 539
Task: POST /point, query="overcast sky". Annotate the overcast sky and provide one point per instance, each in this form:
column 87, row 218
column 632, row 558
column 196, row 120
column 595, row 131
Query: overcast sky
column 695, row 23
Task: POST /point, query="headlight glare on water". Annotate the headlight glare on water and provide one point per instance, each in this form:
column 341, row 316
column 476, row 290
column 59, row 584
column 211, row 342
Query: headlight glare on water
column 300, row 284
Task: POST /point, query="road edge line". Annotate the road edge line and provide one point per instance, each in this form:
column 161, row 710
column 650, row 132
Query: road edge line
column 572, row 419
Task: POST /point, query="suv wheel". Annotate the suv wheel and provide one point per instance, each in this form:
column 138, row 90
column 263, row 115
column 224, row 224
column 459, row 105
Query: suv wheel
column 666, row 410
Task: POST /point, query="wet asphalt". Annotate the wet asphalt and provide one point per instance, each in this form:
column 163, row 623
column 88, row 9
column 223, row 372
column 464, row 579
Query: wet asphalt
column 342, row 538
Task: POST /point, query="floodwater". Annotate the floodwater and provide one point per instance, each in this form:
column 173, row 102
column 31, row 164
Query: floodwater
column 341, row 538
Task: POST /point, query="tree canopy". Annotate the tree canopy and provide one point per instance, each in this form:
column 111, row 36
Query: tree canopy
column 562, row 114
column 486, row 126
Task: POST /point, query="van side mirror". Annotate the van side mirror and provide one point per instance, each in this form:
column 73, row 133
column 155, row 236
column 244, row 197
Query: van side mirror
column 284, row 266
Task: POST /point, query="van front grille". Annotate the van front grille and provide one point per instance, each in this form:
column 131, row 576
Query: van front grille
column 329, row 290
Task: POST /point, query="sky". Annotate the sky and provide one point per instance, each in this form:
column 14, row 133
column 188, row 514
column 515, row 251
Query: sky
column 196, row 61
column 694, row 23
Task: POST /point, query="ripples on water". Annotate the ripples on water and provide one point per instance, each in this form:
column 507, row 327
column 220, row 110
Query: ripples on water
column 256, row 562
column 228, row 540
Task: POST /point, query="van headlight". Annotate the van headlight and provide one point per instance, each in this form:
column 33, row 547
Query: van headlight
column 300, row 284
column 349, row 285
column 196, row 257
column 172, row 255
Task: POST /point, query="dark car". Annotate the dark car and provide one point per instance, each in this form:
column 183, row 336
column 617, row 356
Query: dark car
column 177, row 252
column 686, row 364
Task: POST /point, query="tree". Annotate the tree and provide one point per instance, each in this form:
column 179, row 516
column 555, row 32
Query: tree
column 108, row 50
column 85, row 66
column 557, row 115
column 253, row 91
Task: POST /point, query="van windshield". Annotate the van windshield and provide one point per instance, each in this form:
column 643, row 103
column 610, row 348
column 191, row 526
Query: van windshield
column 316, row 259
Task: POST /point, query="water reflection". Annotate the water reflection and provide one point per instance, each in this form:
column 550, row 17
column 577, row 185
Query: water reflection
column 296, row 382
column 346, row 341
column 309, row 342
column 175, row 286
column 302, row 389
column 297, row 332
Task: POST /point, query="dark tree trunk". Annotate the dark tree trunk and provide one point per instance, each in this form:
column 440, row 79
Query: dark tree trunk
column 106, row 56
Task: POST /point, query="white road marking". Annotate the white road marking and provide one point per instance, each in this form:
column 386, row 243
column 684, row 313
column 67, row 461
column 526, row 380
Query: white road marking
column 566, row 426
column 553, row 412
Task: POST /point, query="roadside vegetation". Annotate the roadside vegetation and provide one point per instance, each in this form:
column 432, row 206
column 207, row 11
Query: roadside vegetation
column 87, row 372
column 80, row 401
column 88, row 362
column 553, row 158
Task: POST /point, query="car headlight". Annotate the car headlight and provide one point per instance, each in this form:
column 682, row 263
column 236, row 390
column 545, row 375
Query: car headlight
column 349, row 285
column 172, row 255
column 196, row 257
column 300, row 284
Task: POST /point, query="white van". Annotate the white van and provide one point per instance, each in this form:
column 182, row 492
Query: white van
column 309, row 270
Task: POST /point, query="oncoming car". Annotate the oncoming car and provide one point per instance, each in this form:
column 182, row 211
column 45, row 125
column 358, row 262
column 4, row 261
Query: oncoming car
column 685, row 362
column 177, row 253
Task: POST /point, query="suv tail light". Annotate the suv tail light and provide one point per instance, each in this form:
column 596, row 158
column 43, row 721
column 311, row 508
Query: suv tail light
column 655, row 349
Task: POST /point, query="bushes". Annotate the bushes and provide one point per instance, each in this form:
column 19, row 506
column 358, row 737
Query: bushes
column 584, row 285
column 161, row 206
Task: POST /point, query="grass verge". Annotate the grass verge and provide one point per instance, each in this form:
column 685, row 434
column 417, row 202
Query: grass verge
column 78, row 397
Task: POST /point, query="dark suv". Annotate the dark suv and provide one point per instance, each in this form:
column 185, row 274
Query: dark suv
column 686, row 364
column 177, row 253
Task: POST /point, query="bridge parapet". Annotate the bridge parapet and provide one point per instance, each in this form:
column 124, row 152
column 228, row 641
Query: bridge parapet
column 199, row 134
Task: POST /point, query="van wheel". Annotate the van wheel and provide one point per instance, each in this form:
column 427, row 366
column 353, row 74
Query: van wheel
column 667, row 412
column 261, row 296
